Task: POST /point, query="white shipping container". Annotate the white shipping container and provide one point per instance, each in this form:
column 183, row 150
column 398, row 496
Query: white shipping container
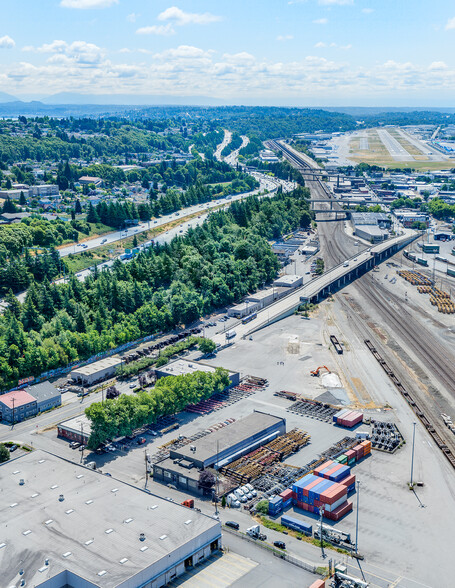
column 335, row 505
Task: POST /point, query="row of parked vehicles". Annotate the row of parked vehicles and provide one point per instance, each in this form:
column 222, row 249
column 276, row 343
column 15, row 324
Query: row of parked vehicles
column 255, row 533
column 243, row 494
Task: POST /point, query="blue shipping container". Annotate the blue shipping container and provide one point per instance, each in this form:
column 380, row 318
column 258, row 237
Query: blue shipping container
column 341, row 474
column 296, row 525
column 276, row 500
column 303, row 482
column 315, row 492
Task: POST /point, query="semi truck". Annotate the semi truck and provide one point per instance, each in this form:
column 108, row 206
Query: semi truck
column 255, row 533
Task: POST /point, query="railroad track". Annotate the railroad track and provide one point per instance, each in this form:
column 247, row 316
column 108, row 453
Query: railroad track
column 430, row 353
column 424, row 418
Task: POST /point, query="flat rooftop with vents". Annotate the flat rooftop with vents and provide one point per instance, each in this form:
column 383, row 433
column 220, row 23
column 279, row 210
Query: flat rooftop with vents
column 65, row 525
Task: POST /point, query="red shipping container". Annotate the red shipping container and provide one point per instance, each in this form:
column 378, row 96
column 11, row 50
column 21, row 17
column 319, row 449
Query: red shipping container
column 324, row 465
column 310, row 486
column 350, row 454
column 286, row 494
column 332, row 496
column 332, row 471
column 348, row 481
column 310, row 508
column 318, row 584
column 341, row 511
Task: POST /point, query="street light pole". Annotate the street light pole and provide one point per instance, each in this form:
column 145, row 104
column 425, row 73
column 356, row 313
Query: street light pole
column 357, row 517
column 412, row 456
column 321, row 511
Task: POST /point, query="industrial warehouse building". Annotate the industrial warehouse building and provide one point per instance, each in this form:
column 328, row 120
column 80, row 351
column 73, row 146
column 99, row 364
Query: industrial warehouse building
column 371, row 226
column 217, row 449
column 181, row 367
column 66, row 525
column 46, row 394
column 95, row 372
column 76, row 429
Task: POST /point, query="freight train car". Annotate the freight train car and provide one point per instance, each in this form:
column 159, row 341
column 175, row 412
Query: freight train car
column 421, row 261
column 450, row 272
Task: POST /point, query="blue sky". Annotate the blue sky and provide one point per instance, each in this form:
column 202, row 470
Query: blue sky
column 297, row 52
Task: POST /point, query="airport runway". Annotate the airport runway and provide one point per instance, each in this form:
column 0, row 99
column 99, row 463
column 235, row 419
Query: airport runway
column 396, row 151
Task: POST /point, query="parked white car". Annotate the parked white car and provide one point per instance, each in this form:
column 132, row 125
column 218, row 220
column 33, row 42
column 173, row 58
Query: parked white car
column 251, row 489
column 246, row 492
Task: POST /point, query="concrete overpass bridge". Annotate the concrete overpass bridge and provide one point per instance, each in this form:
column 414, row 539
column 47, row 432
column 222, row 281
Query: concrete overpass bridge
column 330, row 282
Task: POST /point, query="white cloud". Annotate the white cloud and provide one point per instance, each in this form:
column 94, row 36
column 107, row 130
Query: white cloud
column 321, row 21
column 183, row 18
column 160, row 30
column 438, row 66
column 77, row 52
column 367, row 10
column 346, row 47
column 6, row 42
column 183, row 52
column 338, row 2
column 450, row 24
column 124, row 50
column 132, row 17
column 87, row 4
column 285, row 37
column 320, row 45
column 187, row 69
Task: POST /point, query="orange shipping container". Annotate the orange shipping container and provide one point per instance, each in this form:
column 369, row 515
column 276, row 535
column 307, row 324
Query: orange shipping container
column 318, row 584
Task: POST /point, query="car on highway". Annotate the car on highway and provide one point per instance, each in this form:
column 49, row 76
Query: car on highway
column 103, row 241
column 280, row 544
column 232, row 525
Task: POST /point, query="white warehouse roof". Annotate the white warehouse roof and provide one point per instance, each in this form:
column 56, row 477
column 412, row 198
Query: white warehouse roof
column 94, row 532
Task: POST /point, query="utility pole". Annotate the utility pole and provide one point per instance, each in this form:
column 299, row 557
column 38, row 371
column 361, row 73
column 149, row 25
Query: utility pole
column 82, row 441
column 357, row 517
column 146, row 472
column 13, row 400
column 412, row 455
column 216, row 486
column 321, row 512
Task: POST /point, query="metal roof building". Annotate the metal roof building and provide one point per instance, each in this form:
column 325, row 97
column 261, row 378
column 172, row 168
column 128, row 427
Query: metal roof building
column 229, row 443
column 95, row 372
column 46, row 394
column 181, row 367
column 66, row 525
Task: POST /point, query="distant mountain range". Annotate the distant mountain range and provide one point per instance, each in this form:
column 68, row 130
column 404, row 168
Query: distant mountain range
column 78, row 104
column 4, row 97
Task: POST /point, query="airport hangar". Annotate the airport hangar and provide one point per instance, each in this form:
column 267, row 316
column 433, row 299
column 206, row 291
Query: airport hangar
column 183, row 466
column 66, row 525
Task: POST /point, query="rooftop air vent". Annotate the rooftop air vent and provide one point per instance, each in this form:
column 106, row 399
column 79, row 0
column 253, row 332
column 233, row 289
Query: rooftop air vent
column 61, row 498
column 21, row 482
column 144, row 548
column 142, row 537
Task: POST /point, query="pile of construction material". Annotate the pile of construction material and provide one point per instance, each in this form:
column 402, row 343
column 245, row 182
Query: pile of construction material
column 415, row 278
column 347, row 418
column 254, row 464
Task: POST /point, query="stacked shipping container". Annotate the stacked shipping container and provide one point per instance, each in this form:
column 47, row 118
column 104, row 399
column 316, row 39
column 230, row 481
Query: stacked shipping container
column 347, row 418
column 312, row 492
column 275, row 505
column 286, row 495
